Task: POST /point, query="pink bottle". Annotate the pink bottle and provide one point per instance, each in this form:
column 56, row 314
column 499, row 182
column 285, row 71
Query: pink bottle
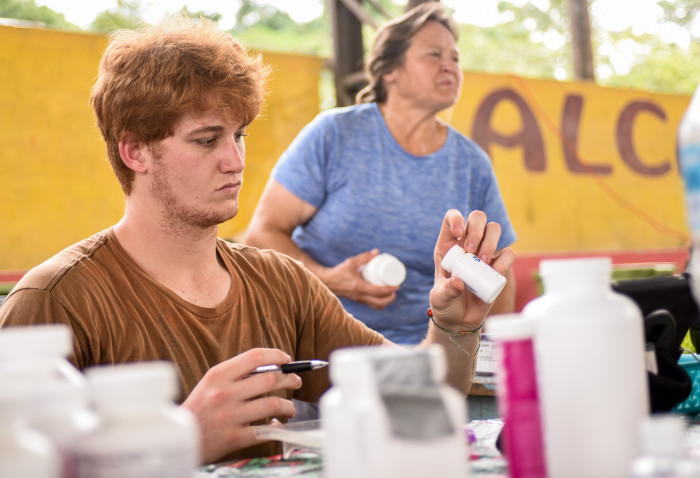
column 518, row 401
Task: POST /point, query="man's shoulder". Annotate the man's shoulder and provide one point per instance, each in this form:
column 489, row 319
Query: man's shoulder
column 51, row 272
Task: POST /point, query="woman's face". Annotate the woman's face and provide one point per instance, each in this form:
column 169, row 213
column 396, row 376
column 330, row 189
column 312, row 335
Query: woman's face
column 430, row 76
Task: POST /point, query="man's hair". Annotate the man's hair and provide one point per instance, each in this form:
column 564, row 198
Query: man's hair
column 390, row 45
column 149, row 78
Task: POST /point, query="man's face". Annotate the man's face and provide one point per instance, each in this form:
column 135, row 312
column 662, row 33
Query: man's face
column 196, row 174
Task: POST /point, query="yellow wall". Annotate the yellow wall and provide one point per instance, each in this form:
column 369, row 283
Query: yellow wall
column 56, row 185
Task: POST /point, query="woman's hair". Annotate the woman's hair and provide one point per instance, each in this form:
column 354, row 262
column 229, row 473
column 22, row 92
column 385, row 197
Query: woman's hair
column 391, row 42
column 149, row 78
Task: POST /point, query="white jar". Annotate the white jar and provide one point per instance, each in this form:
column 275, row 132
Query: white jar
column 141, row 432
column 589, row 354
column 33, row 366
column 23, row 451
column 480, row 278
column 384, row 269
column 390, row 413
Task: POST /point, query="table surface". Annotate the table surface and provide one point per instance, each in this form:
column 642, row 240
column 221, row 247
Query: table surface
column 485, row 460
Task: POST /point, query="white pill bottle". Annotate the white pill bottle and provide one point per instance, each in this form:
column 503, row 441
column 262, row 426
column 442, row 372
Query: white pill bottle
column 384, row 269
column 23, row 451
column 53, row 393
column 592, row 381
column 480, row 278
column 141, row 432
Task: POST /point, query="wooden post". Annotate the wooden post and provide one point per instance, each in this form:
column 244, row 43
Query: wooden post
column 348, row 54
column 582, row 47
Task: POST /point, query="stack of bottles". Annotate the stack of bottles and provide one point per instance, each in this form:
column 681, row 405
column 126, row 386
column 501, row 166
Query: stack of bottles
column 112, row 421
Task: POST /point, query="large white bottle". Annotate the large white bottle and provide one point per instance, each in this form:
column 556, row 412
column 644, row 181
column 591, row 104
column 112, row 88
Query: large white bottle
column 589, row 347
column 141, row 433
column 689, row 156
column 23, row 451
column 53, row 392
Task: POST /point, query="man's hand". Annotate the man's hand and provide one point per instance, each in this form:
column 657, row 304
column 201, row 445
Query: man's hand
column 228, row 399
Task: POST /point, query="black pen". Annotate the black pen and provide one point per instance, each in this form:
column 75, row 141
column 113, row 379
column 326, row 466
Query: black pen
column 292, row 367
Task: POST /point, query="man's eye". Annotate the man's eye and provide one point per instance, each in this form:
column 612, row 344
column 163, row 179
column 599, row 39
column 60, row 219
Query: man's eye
column 207, row 141
column 239, row 136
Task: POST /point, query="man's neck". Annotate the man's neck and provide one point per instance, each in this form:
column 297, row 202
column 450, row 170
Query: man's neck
column 184, row 259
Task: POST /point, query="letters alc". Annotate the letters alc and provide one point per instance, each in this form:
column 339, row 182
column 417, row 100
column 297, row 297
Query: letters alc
column 529, row 136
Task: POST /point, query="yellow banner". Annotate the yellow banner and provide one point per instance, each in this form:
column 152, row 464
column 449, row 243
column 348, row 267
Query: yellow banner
column 581, row 167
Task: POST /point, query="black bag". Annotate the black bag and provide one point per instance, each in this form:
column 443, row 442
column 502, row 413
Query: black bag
column 669, row 311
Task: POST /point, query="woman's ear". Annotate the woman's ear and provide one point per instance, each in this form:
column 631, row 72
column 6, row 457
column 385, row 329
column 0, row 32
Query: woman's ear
column 134, row 153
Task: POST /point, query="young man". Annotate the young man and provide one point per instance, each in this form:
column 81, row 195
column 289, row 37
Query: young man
column 173, row 103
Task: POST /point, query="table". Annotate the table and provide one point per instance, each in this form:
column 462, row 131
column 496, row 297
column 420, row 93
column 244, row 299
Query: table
column 485, row 460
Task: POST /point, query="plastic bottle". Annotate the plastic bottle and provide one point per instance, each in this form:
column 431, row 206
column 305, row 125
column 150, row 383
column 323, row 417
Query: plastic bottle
column 390, row 413
column 141, row 432
column 663, row 439
column 592, row 383
column 384, row 269
column 33, row 365
column 689, row 156
column 517, row 395
column 479, row 277
column 23, row 451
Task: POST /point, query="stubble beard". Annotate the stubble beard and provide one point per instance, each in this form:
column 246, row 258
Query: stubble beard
column 178, row 216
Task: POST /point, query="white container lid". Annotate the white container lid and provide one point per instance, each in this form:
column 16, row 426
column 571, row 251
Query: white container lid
column 509, row 327
column 111, row 385
column 453, row 255
column 36, row 341
column 576, row 266
column 391, row 270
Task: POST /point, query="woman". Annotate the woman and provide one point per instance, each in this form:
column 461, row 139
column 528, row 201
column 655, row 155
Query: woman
column 378, row 177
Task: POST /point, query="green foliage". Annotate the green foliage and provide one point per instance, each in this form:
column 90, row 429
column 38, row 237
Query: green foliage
column 28, row 10
column 127, row 15
column 667, row 70
column 515, row 46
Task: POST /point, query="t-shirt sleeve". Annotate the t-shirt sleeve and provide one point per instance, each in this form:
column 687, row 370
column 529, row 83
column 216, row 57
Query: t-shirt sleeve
column 302, row 168
column 328, row 327
column 30, row 306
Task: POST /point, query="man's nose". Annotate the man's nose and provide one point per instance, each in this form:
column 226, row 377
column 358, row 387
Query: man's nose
column 233, row 156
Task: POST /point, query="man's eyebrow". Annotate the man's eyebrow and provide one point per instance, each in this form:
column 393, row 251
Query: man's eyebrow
column 206, row 129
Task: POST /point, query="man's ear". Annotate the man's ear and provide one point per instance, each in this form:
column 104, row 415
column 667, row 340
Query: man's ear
column 134, row 153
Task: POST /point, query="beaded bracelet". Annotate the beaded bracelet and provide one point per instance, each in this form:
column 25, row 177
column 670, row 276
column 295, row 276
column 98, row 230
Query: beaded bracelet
column 452, row 334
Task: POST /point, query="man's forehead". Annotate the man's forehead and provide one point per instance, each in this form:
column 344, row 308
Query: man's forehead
column 210, row 117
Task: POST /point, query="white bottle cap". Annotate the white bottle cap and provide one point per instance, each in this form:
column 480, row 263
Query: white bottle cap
column 115, row 385
column 509, row 327
column 35, row 341
column 576, row 266
column 480, row 278
column 384, row 269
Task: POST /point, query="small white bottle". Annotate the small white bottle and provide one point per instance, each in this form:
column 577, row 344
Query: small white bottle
column 23, row 451
column 592, row 379
column 384, row 269
column 141, row 433
column 663, row 443
column 480, row 278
